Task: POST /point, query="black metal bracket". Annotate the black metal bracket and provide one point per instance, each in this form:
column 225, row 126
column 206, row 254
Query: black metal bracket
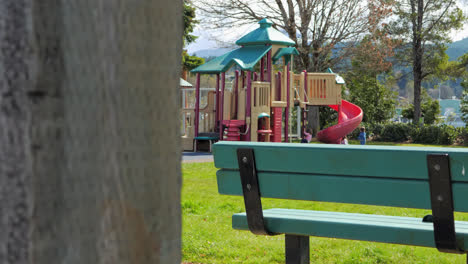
column 440, row 184
column 251, row 190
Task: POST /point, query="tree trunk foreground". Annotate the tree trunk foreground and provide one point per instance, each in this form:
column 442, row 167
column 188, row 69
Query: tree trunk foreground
column 89, row 149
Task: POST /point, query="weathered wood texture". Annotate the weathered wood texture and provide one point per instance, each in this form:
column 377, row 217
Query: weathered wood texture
column 89, row 150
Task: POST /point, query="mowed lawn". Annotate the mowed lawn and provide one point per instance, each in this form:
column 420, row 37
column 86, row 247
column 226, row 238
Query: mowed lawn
column 208, row 236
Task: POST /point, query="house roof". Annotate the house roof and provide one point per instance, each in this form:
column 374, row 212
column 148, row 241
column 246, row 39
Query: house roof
column 265, row 34
column 184, row 83
column 246, row 57
column 449, row 105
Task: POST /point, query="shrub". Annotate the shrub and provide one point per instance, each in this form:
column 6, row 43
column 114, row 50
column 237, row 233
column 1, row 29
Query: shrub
column 392, row 132
column 395, row 132
column 463, row 135
column 430, row 134
column 427, row 134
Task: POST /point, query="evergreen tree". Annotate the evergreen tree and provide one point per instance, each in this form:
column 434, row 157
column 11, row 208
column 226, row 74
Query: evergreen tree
column 189, row 62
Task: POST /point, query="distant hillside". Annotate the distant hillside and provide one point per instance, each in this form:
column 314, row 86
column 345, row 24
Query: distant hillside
column 206, row 53
column 457, row 48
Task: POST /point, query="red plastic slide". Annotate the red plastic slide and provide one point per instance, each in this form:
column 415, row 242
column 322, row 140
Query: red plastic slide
column 349, row 119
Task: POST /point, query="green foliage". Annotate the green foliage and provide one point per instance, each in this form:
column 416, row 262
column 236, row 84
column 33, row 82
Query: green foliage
column 328, row 117
column 191, row 62
column 424, row 33
column 430, row 109
column 430, row 134
column 389, row 132
column 189, row 22
column 395, row 132
column 464, row 84
column 401, row 132
column 463, row 135
column 376, row 101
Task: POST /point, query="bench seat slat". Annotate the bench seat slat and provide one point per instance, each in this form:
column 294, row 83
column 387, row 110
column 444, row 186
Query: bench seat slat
column 374, row 161
column 376, row 228
column 343, row 189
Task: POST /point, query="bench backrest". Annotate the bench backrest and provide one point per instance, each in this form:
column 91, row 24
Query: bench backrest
column 373, row 175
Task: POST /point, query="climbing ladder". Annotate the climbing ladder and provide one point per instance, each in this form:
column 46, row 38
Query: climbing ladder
column 277, row 123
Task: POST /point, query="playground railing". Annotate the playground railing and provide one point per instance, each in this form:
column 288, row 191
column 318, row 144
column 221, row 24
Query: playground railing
column 322, row 89
column 260, row 94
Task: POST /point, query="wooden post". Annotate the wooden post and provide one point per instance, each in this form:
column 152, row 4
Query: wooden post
column 243, row 79
column 197, row 105
column 278, row 87
column 89, row 131
column 248, row 104
column 221, row 105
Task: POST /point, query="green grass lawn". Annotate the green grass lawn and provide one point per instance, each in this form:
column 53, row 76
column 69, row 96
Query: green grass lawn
column 209, row 238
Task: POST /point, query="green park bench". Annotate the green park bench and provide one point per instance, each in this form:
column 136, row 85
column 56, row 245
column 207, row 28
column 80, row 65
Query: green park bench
column 410, row 177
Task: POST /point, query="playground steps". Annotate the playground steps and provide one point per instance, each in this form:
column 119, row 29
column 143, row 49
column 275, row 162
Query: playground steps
column 233, row 129
column 277, row 124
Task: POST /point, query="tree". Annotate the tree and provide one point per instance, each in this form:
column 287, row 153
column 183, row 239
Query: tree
column 318, row 27
column 189, row 22
column 376, row 101
column 88, row 174
column 430, row 109
column 424, row 27
column 189, row 62
column 464, row 101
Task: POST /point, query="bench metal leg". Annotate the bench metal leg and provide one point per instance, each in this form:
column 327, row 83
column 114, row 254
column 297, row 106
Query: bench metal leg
column 297, row 249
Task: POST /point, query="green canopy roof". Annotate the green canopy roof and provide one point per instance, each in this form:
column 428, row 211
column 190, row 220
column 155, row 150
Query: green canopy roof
column 245, row 57
column 285, row 52
column 338, row 79
column 265, row 34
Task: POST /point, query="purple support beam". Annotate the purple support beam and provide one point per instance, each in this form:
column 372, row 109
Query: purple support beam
column 305, row 100
column 248, row 103
column 197, row 104
column 286, row 116
column 221, row 105
column 269, row 65
column 236, row 92
column 262, row 69
column 255, row 76
column 217, row 101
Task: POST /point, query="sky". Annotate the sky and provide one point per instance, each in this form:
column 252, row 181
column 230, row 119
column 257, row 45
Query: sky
column 206, row 39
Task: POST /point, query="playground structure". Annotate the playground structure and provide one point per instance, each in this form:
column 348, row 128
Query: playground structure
column 264, row 90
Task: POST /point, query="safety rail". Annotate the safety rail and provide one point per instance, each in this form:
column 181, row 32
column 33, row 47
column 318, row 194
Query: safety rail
column 260, row 94
column 322, row 89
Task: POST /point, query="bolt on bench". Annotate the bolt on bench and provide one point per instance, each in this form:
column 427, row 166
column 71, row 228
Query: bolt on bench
column 411, row 177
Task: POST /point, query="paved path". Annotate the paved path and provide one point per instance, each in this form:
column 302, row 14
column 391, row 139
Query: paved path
column 188, row 157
